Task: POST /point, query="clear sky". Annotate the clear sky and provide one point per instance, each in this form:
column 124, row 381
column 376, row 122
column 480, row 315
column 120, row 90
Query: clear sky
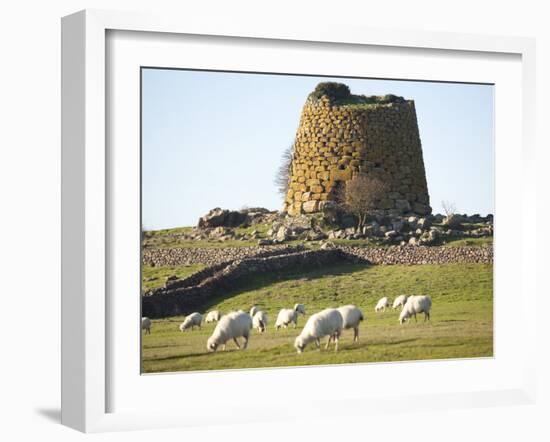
column 215, row 139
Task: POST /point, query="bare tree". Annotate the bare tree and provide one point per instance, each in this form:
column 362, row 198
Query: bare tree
column 361, row 196
column 449, row 208
column 282, row 176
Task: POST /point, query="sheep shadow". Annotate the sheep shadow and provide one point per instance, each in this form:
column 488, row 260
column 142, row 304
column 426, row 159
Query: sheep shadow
column 366, row 344
column 192, row 355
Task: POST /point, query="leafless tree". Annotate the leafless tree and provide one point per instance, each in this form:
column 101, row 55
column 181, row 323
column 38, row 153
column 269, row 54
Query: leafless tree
column 361, row 196
column 448, row 207
column 282, row 176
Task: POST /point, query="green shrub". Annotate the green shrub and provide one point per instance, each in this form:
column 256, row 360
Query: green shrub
column 339, row 94
column 334, row 91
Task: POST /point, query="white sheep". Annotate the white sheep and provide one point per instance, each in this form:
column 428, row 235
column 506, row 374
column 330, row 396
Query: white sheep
column 213, row 316
column 382, row 304
column 192, row 320
column 146, row 325
column 328, row 322
column 231, row 326
column 300, row 308
column 259, row 321
column 287, row 316
column 414, row 305
column 401, row 300
column 352, row 317
column 253, row 310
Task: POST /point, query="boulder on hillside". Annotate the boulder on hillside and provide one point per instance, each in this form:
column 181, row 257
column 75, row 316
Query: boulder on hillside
column 453, row 220
column 282, row 234
column 232, row 218
column 298, row 223
column 424, row 223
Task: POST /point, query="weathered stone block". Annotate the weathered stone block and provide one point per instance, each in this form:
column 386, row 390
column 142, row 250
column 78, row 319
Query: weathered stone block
column 403, row 205
column 310, row 206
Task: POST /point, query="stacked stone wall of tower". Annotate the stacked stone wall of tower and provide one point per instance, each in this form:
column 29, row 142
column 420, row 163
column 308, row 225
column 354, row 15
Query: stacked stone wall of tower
column 335, row 142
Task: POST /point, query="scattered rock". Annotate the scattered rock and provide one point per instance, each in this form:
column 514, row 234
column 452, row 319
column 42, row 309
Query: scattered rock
column 403, row 206
column 282, row 234
column 397, row 225
column 214, row 218
column 424, row 223
column 314, row 235
column 218, row 217
column 453, row 221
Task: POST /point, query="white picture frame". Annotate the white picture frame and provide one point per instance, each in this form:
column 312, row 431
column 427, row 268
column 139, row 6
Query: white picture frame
column 86, row 210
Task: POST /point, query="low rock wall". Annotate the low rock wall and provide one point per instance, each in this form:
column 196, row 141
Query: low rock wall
column 422, row 255
column 196, row 292
column 170, row 301
column 210, row 256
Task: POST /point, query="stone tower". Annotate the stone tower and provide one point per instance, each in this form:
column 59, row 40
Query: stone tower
column 341, row 134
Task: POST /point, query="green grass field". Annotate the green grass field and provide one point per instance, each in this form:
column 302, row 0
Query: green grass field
column 461, row 325
column 154, row 277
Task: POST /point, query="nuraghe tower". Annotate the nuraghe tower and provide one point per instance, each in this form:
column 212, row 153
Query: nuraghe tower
column 341, row 134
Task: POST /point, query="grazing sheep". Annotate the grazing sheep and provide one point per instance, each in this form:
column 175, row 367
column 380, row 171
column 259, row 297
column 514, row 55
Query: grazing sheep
column 414, row 305
column 146, row 325
column 259, row 321
column 401, row 300
column 382, row 304
column 213, row 316
column 231, row 326
column 300, row 308
column 194, row 319
column 287, row 315
column 352, row 317
column 328, row 322
column 253, row 310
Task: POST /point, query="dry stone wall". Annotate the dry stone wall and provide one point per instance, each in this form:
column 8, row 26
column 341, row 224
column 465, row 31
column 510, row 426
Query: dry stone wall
column 412, row 255
column 210, row 256
column 336, row 141
column 174, row 301
column 198, row 291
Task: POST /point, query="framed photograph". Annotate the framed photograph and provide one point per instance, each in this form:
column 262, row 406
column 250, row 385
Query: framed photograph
column 279, row 209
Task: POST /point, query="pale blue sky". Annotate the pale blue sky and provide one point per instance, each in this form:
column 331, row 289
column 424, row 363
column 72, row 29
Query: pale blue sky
column 215, row 139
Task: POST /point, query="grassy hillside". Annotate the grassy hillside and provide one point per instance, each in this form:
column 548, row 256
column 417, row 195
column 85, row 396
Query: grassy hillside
column 154, row 277
column 461, row 325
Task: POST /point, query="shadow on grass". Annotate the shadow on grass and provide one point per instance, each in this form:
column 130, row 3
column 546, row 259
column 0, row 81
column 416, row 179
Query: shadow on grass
column 193, row 355
column 305, row 274
column 284, row 349
column 386, row 343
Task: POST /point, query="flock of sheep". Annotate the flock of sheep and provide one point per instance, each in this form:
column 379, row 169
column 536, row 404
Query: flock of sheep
column 329, row 322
